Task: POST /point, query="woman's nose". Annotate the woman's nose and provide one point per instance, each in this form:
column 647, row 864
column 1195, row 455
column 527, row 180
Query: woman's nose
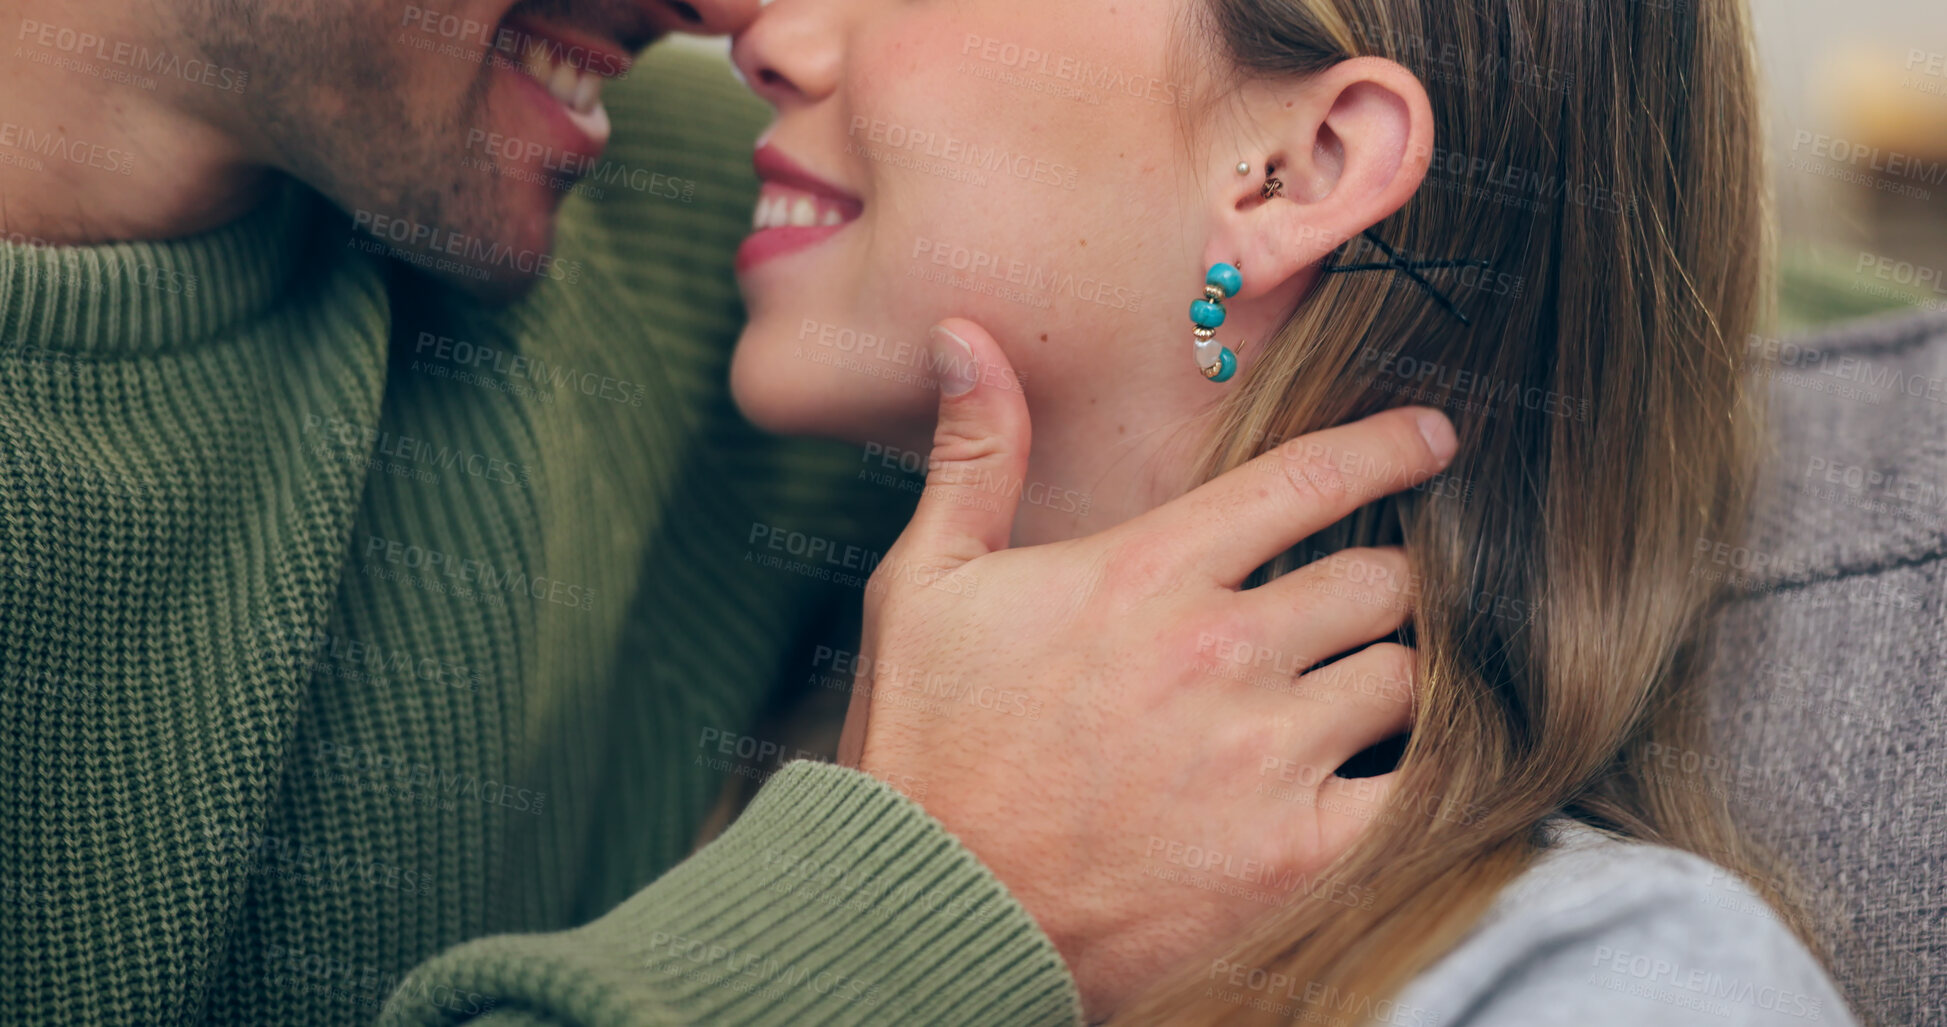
column 792, row 53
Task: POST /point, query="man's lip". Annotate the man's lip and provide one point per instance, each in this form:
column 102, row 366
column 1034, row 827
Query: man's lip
column 598, row 55
column 773, row 166
column 556, row 126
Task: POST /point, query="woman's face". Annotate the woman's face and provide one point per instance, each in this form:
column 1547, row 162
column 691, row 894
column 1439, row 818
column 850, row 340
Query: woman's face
column 1022, row 163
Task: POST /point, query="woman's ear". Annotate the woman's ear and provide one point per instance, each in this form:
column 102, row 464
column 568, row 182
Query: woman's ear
column 1350, row 145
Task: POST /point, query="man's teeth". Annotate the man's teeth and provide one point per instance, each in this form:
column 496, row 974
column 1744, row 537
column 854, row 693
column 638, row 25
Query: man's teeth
column 587, row 92
column 780, row 209
column 579, row 91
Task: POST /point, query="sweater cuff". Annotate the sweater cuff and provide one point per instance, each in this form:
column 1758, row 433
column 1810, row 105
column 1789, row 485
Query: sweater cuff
column 832, row 899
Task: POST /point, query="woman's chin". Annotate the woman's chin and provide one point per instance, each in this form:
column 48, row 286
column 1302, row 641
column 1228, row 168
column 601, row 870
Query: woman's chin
column 771, row 399
column 785, row 394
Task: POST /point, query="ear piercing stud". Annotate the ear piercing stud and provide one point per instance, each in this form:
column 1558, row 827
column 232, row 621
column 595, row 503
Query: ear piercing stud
column 1273, row 186
column 1215, row 359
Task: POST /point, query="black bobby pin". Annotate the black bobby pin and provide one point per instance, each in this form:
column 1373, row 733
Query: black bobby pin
column 1396, row 261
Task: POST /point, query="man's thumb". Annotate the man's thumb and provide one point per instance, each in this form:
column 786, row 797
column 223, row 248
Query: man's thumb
column 974, row 479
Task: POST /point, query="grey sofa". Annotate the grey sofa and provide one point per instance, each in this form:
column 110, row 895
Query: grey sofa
column 1829, row 711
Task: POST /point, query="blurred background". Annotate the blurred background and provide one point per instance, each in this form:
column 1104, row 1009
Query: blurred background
column 1857, row 91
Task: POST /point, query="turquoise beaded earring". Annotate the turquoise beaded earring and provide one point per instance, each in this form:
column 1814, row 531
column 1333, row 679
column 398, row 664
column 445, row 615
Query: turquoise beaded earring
column 1215, row 359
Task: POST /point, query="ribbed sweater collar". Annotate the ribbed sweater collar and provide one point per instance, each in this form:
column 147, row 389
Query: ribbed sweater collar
column 144, row 298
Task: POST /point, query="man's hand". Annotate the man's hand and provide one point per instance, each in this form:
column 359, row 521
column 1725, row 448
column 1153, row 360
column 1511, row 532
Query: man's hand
column 1124, row 736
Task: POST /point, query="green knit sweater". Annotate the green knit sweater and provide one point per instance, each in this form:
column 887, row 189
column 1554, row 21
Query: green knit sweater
column 374, row 656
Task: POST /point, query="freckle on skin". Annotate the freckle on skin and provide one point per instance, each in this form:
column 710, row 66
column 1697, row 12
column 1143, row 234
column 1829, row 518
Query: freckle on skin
column 1044, row 336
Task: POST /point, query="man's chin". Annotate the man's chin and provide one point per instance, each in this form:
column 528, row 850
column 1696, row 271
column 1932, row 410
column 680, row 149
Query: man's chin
column 481, row 266
column 492, row 291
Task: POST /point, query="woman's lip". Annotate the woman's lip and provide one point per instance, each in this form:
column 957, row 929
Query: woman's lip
column 773, row 166
column 770, row 243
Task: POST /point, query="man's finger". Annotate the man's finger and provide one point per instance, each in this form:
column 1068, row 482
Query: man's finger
column 1334, row 605
column 1369, row 696
column 1227, row 528
column 980, row 453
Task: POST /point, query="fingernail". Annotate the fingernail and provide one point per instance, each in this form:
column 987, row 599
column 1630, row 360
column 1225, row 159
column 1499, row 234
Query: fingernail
column 953, row 361
column 1439, row 436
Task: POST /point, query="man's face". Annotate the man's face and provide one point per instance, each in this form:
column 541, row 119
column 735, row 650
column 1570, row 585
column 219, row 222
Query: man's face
column 448, row 129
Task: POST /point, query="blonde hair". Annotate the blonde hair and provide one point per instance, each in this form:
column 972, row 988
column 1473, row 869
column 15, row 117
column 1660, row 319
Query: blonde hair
column 1604, row 157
